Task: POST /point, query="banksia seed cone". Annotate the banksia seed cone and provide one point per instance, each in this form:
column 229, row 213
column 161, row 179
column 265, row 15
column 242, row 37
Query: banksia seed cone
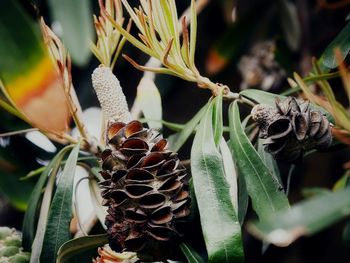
column 291, row 128
column 144, row 187
column 10, row 247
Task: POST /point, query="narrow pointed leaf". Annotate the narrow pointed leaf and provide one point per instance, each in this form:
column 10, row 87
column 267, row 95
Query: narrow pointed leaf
column 262, row 97
column 177, row 140
column 217, row 119
column 191, row 255
column 290, row 23
column 230, row 172
column 270, row 162
column 78, row 245
column 29, row 225
column 57, row 231
column 75, row 19
column 305, row 218
column 243, row 199
column 193, row 33
column 220, row 226
column 262, row 187
column 43, row 216
column 342, row 182
column 342, row 42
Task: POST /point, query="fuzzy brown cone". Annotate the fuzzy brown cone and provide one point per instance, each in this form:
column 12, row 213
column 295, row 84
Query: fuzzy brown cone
column 144, row 187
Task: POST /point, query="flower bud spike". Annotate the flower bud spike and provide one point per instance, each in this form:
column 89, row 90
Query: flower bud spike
column 110, row 95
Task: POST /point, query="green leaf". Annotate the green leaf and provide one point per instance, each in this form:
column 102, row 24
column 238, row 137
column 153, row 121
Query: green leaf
column 220, row 226
column 243, row 199
column 150, row 102
column 21, row 46
column 261, row 97
column 290, row 23
column 75, row 18
column 79, row 245
column 230, row 172
column 346, row 233
column 29, row 221
column 342, row 182
column 305, row 218
column 193, row 33
column 342, row 41
column 177, row 140
column 217, row 119
column 39, row 170
column 310, row 192
column 57, row 231
column 191, row 255
column 44, row 213
column 270, row 162
column 33, row 173
column 262, row 187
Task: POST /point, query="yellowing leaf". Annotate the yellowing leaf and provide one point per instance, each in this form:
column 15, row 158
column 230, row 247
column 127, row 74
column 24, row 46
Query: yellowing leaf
column 31, row 80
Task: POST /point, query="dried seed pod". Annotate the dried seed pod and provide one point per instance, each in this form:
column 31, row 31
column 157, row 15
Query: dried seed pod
column 279, row 128
column 144, row 187
column 291, row 128
column 300, row 126
column 264, row 115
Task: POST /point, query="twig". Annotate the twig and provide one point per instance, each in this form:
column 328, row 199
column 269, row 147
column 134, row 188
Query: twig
column 63, row 64
column 6, row 134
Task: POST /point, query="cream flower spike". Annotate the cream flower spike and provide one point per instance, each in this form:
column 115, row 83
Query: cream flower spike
column 110, row 95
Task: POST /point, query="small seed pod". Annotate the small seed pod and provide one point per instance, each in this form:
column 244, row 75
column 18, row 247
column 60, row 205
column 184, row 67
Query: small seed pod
column 291, row 128
column 264, row 115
